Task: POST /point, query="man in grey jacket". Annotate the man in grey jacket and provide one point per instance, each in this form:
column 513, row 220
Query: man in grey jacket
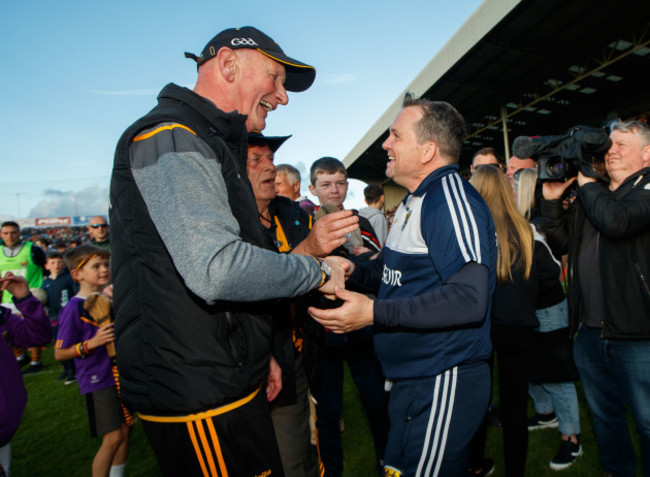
column 374, row 197
column 192, row 271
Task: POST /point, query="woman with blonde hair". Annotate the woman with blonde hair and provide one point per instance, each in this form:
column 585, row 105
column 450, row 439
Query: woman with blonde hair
column 525, row 181
column 513, row 311
column 553, row 372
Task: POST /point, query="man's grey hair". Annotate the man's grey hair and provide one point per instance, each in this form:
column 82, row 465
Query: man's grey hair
column 440, row 123
column 638, row 127
column 293, row 174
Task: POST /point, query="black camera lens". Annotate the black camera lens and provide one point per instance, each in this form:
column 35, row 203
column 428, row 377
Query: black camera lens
column 555, row 168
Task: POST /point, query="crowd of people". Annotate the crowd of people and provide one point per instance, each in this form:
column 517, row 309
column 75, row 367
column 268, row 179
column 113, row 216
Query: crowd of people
column 236, row 305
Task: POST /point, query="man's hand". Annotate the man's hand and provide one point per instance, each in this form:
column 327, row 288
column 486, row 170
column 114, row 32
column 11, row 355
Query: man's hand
column 273, row 380
column 582, row 179
column 340, row 268
column 15, row 285
column 357, row 312
column 328, row 233
column 553, row 190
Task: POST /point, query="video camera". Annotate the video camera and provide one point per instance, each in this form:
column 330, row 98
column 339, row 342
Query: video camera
column 561, row 157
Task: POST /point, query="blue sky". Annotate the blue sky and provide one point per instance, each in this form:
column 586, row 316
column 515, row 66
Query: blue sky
column 76, row 74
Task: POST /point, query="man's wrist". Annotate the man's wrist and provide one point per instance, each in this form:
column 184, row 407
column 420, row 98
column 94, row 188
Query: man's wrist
column 324, row 275
column 325, row 270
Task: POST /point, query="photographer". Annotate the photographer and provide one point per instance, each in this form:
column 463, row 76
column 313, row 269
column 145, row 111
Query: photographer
column 606, row 233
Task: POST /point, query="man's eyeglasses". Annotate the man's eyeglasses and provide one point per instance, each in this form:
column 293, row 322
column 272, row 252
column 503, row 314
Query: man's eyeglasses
column 96, row 226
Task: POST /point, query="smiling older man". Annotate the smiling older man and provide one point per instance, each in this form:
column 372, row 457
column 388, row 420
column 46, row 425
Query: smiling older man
column 191, row 267
column 606, row 233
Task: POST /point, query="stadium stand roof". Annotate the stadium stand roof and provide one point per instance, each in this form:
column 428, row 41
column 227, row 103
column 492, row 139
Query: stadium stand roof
column 542, row 66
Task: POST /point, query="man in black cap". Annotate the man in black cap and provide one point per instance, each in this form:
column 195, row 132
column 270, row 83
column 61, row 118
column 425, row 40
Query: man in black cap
column 288, row 229
column 193, row 272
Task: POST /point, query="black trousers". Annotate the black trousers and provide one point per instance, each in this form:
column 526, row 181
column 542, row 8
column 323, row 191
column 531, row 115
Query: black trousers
column 511, row 347
column 234, row 440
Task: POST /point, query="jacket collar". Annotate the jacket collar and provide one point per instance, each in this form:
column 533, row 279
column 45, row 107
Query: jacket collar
column 433, row 177
column 230, row 126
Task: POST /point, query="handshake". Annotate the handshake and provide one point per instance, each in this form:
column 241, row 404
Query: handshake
column 328, row 233
column 336, row 269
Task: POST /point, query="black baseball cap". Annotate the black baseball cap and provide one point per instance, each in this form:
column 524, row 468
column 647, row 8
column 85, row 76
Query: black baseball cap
column 300, row 76
column 274, row 142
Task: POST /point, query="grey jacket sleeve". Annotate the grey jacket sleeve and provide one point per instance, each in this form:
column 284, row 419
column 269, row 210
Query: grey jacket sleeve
column 186, row 197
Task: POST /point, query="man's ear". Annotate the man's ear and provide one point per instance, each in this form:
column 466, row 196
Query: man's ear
column 228, row 63
column 645, row 154
column 75, row 275
column 312, row 189
column 429, row 151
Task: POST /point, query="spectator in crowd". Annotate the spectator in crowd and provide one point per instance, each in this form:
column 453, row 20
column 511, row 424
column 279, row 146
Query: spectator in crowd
column 431, row 316
column 551, row 386
column 193, row 271
column 329, row 182
column 523, row 261
column 81, row 339
column 287, row 184
column 287, row 227
column 59, row 287
column 60, row 247
column 30, row 329
column 41, row 242
column 485, row 155
column 515, row 163
column 98, row 232
column 606, row 232
column 374, row 198
column 24, row 259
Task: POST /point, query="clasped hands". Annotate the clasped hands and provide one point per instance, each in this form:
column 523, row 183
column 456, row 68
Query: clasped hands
column 357, row 310
column 328, row 233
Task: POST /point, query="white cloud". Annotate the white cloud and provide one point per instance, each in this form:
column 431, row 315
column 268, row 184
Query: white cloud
column 89, row 201
column 337, row 79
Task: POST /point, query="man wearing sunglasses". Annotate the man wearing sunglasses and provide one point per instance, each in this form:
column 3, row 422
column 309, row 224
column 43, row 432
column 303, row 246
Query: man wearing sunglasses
column 98, row 231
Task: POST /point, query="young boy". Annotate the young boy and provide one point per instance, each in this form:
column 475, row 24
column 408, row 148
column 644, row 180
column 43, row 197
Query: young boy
column 80, row 338
column 329, row 182
column 59, row 287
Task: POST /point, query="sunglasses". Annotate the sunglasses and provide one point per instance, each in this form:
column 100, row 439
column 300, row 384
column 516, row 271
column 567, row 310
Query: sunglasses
column 96, row 226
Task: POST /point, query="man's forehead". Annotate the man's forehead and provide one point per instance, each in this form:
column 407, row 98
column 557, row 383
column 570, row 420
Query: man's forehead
column 485, row 157
column 330, row 177
column 515, row 159
column 406, row 118
column 9, row 228
column 256, row 58
column 259, row 149
column 622, row 135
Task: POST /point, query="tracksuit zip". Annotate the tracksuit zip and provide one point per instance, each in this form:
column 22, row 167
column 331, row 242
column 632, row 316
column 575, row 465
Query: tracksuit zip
column 642, row 277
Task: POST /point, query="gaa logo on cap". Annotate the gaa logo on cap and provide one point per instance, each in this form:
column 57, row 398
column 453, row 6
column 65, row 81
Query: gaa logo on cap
column 243, row 42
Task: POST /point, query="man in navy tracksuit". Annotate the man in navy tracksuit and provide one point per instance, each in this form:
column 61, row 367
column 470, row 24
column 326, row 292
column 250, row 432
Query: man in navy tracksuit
column 434, row 279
